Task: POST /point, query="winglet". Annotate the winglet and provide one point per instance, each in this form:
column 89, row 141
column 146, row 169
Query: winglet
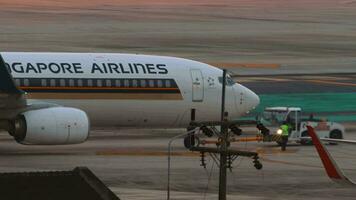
column 7, row 84
column 332, row 169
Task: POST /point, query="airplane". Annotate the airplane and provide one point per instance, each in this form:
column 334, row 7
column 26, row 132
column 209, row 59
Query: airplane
column 54, row 98
column 331, row 167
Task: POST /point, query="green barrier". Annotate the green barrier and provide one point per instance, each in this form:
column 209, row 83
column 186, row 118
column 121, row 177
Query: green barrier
column 317, row 103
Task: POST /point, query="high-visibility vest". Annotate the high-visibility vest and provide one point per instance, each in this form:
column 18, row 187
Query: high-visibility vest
column 285, row 130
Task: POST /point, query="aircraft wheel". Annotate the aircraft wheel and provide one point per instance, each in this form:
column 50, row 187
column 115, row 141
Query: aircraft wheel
column 258, row 166
column 189, row 141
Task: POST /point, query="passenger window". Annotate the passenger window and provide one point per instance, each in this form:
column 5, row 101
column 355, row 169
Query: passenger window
column 126, row 83
column 26, row 82
column 99, row 83
column 117, row 83
column 151, row 83
column 62, row 83
column 43, row 82
column 159, row 83
column 80, row 83
column 134, row 83
column 143, row 83
column 53, row 83
column 90, row 83
column 71, row 83
column 108, row 83
column 168, row 84
column 17, row 82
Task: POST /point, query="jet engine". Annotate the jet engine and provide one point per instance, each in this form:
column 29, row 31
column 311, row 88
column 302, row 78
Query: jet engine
column 51, row 126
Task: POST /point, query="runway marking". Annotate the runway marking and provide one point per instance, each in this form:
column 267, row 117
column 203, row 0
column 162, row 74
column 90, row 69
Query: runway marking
column 246, row 65
column 332, row 83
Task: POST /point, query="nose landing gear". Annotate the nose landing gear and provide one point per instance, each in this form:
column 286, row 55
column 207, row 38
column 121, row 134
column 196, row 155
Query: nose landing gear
column 189, row 140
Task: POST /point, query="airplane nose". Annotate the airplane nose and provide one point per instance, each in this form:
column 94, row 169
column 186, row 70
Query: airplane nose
column 252, row 99
column 246, row 100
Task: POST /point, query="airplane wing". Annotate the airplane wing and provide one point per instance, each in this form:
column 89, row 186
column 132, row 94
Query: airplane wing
column 7, row 85
column 331, row 167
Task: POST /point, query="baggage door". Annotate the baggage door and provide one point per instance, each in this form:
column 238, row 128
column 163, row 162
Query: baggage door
column 198, row 85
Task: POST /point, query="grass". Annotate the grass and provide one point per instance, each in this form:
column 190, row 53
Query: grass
column 321, row 104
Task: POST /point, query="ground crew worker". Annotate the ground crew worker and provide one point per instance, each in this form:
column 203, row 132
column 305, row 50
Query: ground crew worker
column 285, row 134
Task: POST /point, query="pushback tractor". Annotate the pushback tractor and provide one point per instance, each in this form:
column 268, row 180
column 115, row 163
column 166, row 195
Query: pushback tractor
column 273, row 117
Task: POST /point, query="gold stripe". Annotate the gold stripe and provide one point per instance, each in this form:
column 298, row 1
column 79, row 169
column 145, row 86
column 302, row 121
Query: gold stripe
column 121, row 96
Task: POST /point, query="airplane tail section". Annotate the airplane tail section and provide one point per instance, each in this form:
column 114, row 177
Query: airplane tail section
column 332, row 169
column 7, row 84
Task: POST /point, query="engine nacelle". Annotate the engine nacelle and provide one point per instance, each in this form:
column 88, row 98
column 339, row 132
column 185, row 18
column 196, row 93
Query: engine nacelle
column 51, row 126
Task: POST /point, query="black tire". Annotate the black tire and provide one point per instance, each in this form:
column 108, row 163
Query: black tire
column 335, row 134
column 305, row 141
column 189, row 141
column 258, row 166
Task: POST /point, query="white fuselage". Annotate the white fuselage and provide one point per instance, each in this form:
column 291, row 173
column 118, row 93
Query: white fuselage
column 128, row 90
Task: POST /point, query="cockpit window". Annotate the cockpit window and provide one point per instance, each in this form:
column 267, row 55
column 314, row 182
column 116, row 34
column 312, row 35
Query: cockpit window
column 229, row 81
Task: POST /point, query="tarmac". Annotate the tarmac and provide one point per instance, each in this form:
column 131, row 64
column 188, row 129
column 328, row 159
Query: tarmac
column 133, row 163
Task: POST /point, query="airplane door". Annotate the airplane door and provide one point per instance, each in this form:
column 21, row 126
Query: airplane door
column 198, row 85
